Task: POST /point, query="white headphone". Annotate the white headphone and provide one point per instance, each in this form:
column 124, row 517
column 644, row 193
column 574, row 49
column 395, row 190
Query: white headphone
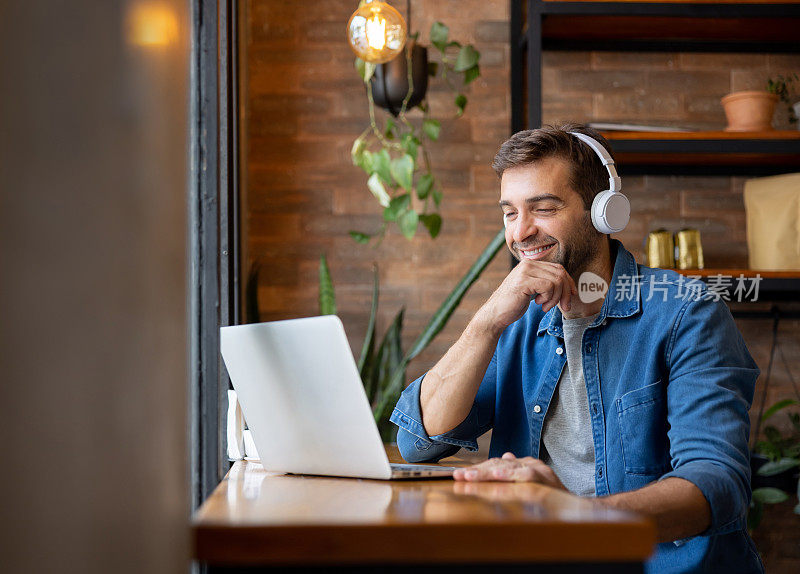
column 611, row 210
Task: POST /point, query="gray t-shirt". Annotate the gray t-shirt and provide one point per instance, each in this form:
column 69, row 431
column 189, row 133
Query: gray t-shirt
column 567, row 443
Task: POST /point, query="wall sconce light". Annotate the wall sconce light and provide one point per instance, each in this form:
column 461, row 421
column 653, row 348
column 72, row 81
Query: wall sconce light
column 376, row 32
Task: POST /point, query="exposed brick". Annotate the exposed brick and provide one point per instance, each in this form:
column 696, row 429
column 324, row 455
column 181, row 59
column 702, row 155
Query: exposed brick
column 492, row 57
column 659, row 202
column 635, row 106
column 567, row 60
column 596, row 81
column 754, row 79
column 697, row 83
column 717, row 61
column 634, row 60
column 492, row 31
column 287, row 105
column 710, row 202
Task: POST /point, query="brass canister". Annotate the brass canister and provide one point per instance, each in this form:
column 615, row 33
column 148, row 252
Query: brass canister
column 690, row 250
column 660, row 249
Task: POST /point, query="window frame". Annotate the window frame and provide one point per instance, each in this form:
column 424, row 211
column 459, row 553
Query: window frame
column 214, row 231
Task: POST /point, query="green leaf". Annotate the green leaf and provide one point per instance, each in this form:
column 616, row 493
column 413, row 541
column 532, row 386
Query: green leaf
column 388, row 131
column 773, row 468
column 467, row 58
column 433, row 68
column 755, row 514
column 390, row 357
column 381, row 164
column 410, row 144
column 407, row 222
column 360, row 237
column 471, row 74
column 397, row 206
column 364, row 69
column 443, row 314
column 773, row 435
column 424, row 185
column 357, row 151
column 461, row 103
column 367, row 349
column 778, row 406
column 437, row 196
column 431, row 129
column 454, row 44
column 769, row 495
column 402, row 169
column 327, row 297
column 433, row 222
column 439, row 34
column 376, row 187
column 365, row 162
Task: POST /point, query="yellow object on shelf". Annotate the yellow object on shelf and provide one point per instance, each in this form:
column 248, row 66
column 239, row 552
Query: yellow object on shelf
column 772, row 205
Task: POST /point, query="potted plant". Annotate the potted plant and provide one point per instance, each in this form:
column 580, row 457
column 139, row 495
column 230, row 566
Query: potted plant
column 749, row 111
column 393, row 151
column 782, row 86
column 775, row 464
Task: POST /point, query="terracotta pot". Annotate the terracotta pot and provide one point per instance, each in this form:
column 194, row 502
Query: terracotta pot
column 749, row 111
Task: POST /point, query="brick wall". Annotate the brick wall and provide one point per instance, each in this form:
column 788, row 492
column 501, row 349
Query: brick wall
column 305, row 105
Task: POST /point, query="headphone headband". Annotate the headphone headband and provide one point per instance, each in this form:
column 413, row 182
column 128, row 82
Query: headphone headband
column 614, row 181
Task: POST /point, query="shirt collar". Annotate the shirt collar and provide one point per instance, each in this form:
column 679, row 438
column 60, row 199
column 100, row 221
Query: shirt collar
column 621, row 300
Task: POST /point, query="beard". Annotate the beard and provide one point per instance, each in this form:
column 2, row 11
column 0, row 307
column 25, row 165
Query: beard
column 573, row 253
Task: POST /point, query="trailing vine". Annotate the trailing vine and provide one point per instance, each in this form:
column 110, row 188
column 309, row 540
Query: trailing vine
column 395, row 155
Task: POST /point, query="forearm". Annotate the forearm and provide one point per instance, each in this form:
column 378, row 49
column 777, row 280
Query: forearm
column 677, row 507
column 448, row 390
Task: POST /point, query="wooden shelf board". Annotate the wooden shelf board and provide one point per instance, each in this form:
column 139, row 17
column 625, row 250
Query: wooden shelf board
column 704, row 135
column 764, row 30
column 736, row 272
column 680, row 1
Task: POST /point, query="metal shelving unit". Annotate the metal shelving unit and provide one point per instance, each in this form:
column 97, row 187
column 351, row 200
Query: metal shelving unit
column 755, row 26
column 677, row 26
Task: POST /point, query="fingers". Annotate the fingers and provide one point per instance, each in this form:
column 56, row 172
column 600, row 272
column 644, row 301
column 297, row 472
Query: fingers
column 551, row 283
column 509, row 468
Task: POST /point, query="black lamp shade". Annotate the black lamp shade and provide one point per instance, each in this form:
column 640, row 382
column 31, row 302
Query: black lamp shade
column 390, row 81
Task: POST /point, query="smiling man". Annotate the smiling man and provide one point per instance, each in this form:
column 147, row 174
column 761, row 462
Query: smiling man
column 636, row 393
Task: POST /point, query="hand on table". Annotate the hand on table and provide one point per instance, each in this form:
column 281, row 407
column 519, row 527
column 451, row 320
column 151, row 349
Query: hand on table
column 509, row 468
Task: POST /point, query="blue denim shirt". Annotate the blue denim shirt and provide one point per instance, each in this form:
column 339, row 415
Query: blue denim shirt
column 669, row 382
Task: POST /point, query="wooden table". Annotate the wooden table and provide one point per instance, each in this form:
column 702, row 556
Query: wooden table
column 282, row 522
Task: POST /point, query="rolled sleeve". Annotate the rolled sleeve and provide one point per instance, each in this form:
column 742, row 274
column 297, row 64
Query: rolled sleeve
column 710, row 390
column 416, row 445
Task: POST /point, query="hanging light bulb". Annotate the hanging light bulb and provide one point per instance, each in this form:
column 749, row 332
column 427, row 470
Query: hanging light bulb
column 376, row 32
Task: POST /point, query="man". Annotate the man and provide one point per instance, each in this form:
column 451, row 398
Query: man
column 639, row 397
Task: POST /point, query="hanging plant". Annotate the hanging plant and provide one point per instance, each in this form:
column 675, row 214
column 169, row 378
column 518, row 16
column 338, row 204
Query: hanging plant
column 394, row 155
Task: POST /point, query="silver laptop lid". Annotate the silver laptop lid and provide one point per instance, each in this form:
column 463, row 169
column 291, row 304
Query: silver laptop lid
column 302, row 398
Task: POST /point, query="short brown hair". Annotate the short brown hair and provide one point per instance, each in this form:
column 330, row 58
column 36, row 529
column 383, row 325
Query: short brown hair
column 588, row 176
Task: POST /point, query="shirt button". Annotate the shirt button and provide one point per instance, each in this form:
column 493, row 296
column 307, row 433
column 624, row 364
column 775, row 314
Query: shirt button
column 559, row 351
column 588, row 348
column 537, row 409
column 600, row 472
column 604, row 321
column 594, row 408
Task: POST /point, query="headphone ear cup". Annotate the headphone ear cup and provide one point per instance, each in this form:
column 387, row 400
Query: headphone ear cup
column 611, row 211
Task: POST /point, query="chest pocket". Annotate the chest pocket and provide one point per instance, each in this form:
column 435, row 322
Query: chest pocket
column 643, row 427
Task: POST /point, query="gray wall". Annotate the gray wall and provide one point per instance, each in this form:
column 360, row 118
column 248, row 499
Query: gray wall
column 93, row 322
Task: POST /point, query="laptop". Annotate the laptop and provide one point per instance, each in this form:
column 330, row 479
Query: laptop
column 305, row 405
